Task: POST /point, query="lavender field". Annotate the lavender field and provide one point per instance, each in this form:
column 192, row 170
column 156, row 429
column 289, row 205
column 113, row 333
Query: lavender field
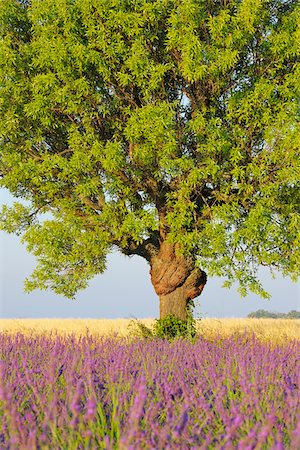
column 111, row 393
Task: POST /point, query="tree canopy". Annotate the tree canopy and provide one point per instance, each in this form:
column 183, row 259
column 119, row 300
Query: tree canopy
column 131, row 123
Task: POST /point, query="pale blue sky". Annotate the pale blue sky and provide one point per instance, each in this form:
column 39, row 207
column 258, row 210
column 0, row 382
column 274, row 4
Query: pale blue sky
column 124, row 290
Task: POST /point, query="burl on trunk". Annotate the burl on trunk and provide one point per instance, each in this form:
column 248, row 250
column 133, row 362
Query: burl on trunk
column 176, row 280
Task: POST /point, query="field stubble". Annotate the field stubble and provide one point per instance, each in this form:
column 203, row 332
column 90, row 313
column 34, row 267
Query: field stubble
column 274, row 330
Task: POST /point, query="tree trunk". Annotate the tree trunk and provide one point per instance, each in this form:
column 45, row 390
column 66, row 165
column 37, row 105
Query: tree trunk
column 176, row 280
column 174, row 303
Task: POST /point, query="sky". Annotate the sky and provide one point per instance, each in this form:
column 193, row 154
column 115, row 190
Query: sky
column 123, row 291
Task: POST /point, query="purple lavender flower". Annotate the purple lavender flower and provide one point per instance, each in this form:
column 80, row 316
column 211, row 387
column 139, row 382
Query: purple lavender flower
column 232, row 392
column 91, row 408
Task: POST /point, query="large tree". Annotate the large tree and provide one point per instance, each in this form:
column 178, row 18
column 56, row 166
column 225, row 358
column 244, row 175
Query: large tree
column 168, row 129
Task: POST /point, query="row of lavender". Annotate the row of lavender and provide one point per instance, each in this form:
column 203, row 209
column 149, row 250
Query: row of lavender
column 100, row 393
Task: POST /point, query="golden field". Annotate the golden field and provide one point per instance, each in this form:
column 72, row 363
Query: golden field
column 274, row 330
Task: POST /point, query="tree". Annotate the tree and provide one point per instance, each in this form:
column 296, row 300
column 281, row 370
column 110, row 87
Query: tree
column 263, row 314
column 293, row 314
column 168, row 129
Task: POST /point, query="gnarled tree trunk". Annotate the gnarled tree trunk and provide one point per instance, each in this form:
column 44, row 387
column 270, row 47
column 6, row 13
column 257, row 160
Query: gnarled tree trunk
column 176, row 280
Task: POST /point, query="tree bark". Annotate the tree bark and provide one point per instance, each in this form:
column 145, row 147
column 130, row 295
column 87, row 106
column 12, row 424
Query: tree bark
column 176, row 280
column 174, row 303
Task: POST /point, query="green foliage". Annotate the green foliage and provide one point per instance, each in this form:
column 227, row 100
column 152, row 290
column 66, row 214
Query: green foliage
column 261, row 314
column 140, row 330
column 129, row 122
column 293, row 314
column 169, row 327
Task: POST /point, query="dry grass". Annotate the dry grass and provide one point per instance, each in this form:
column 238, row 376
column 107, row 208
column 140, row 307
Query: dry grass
column 104, row 327
column 275, row 330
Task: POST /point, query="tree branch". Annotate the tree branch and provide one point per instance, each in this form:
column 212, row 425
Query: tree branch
column 147, row 249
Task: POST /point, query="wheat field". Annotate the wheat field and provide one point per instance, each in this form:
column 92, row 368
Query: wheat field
column 275, row 330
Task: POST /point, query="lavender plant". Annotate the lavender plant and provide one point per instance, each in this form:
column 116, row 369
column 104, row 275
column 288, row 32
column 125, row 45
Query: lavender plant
column 109, row 393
